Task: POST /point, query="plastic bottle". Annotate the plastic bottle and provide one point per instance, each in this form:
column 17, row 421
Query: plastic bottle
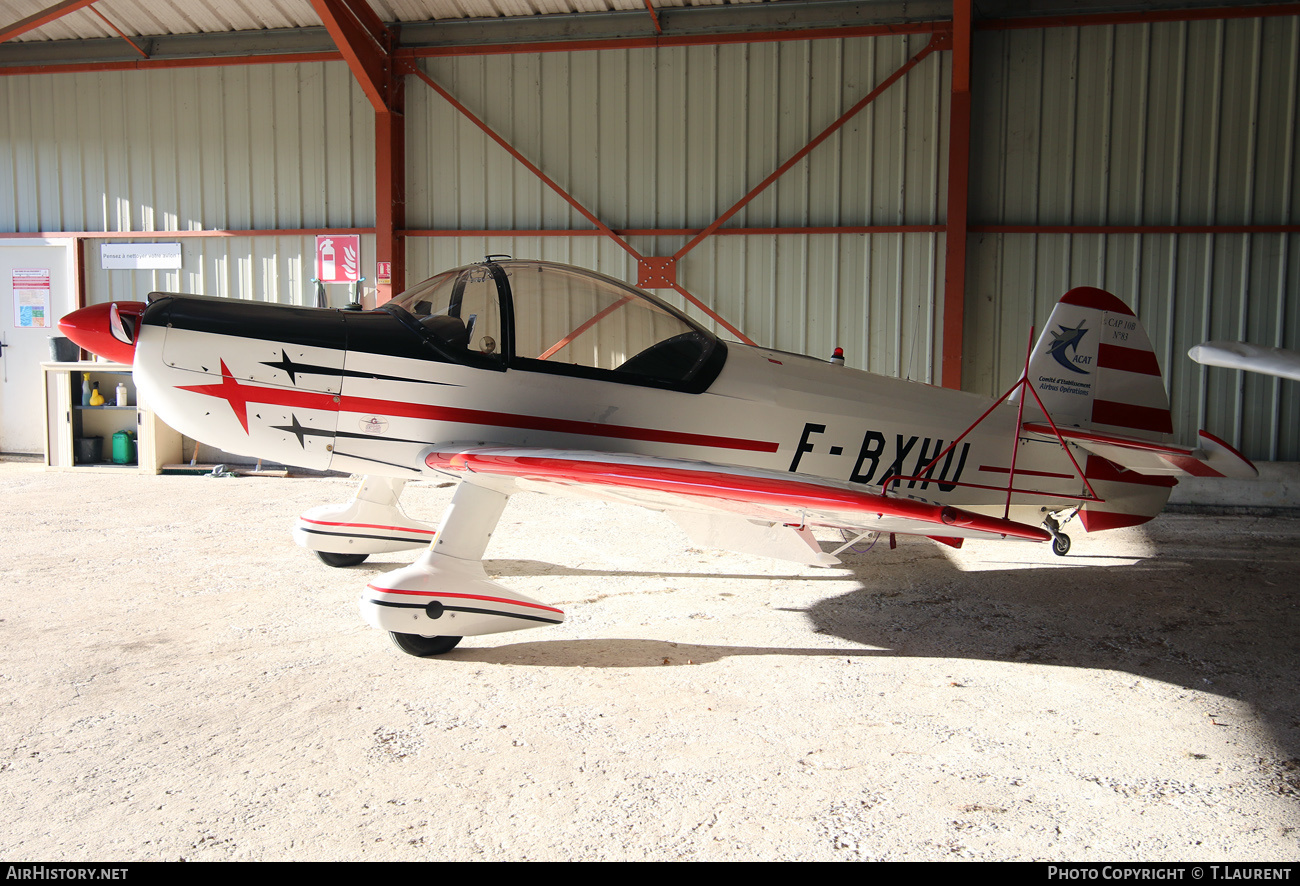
column 121, row 394
column 85, row 389
column 96, row 398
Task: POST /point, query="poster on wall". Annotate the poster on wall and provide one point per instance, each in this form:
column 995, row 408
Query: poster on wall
column 31, row 298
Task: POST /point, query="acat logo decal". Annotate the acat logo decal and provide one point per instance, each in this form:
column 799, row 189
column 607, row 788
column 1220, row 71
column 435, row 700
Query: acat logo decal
column 1069, row 338
column 373, row 424
column 910, row 456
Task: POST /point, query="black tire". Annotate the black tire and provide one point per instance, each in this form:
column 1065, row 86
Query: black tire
column 1061, row 544
column 341, row 560
column 422, row 647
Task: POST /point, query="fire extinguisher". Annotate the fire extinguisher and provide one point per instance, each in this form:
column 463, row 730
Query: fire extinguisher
column 327, row 260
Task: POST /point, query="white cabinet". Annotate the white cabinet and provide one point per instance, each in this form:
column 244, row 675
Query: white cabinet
column 71, row 427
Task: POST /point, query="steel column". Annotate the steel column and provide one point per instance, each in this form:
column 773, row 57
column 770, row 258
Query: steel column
column 954, row 277
column 367, row 46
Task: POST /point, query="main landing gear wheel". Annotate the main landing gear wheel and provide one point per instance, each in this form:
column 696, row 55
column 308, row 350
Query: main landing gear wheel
column 341, row 560
column 422, row 647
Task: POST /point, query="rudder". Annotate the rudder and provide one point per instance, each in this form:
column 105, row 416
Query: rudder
column 1094, row 367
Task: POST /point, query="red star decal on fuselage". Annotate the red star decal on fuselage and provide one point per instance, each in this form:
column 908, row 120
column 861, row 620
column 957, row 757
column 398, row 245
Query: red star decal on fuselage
column 231, row 391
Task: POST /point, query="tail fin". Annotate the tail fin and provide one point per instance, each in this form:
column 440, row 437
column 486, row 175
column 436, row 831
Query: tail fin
column 1094, row 368
column 1096, row 373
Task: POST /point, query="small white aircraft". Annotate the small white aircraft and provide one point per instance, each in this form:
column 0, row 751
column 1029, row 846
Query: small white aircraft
column 528, row 375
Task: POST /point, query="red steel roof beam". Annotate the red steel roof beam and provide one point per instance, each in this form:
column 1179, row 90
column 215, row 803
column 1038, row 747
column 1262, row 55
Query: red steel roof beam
column 1146, row 16
column 351, row 25
column 44, row 17
column 667, row 40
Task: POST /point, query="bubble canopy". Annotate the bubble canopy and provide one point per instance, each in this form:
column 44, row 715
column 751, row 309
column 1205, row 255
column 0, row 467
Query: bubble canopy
column 546, row 317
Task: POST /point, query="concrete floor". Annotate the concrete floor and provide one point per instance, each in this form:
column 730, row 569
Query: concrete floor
column 182, row 682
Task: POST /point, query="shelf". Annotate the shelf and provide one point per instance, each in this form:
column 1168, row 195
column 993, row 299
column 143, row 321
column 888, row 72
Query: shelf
column 68, row 422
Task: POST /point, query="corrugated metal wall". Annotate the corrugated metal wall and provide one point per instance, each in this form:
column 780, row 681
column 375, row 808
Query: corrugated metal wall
column 1163, row 124
column 672, row 138
column 239, row 148
column 1191, row 123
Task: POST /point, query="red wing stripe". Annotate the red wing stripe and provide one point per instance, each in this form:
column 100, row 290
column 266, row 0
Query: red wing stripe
column 1098, row 468
column 1128, row 415
column 721, row 486
column 485, row 599
column 1039, row 427
column 368, row 526
column 1127, row 359
column 1193, row 466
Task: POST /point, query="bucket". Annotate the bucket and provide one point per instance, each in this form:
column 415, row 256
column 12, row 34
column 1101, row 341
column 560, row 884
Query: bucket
column 90, row 450
column 123, row 448
column 63, row 350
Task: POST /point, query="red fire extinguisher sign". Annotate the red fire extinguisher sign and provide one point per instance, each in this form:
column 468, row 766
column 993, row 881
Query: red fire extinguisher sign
column 338, row 258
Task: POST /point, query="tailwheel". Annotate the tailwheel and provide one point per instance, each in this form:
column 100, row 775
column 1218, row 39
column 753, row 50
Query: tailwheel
column 422, row 647
column 341, row 560
column 1060, row 541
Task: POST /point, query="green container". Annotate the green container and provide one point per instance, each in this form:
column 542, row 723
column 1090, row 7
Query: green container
column 123, row 448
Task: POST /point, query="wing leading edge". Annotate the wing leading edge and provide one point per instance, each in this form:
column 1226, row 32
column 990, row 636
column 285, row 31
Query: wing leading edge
column 678, row 484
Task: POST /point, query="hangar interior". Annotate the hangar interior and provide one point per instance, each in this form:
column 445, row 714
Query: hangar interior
column 917, row 183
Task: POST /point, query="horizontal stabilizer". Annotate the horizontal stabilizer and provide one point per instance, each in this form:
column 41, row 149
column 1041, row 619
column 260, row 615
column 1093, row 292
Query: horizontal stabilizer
column 1214, row 458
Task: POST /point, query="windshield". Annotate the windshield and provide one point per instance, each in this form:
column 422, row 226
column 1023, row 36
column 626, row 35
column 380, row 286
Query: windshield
column 460, row 309
column 566, row 320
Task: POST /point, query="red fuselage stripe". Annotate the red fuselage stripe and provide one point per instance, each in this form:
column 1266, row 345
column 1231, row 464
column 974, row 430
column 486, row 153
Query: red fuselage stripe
column 240, row 395
column 1052, row 474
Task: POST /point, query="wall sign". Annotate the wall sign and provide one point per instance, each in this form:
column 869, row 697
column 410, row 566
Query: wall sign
column 139, row 256
column 338, row 258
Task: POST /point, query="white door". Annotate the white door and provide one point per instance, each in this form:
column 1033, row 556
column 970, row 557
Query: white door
column 36, row 289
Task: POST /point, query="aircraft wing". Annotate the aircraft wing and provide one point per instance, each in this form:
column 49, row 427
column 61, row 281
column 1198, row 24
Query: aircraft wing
column 775, row 497
column 1253, row 358
column 1214, row 458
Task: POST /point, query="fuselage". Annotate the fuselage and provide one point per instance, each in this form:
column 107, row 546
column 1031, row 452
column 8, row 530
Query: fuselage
column 360, row 392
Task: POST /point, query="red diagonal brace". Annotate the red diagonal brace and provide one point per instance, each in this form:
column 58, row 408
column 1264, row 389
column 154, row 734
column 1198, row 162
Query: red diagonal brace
column 654, row 15
column 940, row 40
column 120, row 32
column 528, row 164
column 568, row 198
column 44, row 17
